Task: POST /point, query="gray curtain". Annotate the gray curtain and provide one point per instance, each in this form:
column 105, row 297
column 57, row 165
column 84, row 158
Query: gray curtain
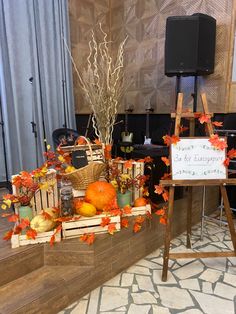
column 35, row 78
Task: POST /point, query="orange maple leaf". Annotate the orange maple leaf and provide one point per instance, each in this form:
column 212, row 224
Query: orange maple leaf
column 160, row 212
column 116, row 212
column 204, row 118
column 24, row 223
column 148, row 159
column 137, row 227
column 217, row 123
column 128, row 164
column 226, row 162
column 8, row 235
column 112, row 228
column 127, row 209
column 166, row 161
column 148, row 215
column 81, row 141
column 124, row 223
column 163, row 220
column 52, row 240
column 158, row 189
column 165, row 195
column 166, row 176
column 62, row 219
column 91, row 238
column 31, row 234
column 139, row 219
column 231, row 153
column 167, row 140
column 174, row 139
column 140, row 160
column 13, row 218
column 105, row 221
column 58, row 229
column 182, row 129
column 218, row 143
column 97, row 141
column 46, row 215
column 84, row 237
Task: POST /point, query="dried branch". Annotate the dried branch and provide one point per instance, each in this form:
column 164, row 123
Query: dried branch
column 102, row 82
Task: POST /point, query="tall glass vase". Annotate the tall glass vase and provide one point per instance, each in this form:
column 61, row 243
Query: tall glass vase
column 25, row 212
column 124, row 199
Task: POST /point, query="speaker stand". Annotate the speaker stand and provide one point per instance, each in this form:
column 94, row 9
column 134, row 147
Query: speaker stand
column 195, row 93
column 177, row 89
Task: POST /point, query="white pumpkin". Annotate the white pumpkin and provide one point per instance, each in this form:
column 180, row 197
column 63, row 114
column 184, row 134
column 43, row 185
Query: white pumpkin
column 40, row 224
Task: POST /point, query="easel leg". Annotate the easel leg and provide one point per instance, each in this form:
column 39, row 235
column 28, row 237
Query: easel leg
column 229, row 216
column 189, row 216
column 168, row 234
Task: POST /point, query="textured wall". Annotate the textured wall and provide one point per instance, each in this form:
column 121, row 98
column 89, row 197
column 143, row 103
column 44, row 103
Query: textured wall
column 144, row 22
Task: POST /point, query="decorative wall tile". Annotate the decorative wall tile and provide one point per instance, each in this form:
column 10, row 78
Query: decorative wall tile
column 144, row 22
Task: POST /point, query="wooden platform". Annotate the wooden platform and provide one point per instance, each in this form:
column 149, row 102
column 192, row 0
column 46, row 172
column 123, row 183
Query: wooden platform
column 43, row 280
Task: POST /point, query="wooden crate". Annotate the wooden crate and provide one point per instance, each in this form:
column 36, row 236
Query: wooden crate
column 137, row 169
column 18, row 240
column 42, row 199
column 97, row 151
column 141, row 210
column 75, row 228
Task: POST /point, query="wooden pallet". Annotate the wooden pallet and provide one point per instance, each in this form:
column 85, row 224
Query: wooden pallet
column 75, row 228
column 18, row 240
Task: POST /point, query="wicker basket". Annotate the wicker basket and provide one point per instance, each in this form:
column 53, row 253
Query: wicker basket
column 95, row 152
column 80, row 178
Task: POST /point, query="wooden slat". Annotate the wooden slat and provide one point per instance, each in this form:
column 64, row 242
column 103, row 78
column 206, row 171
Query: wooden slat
column 136, row 211
column 206, row 111
column 189, row 114
column 178, row 113
column 168, row 234
column 211, row 182
column 201, row 254
column 229, row 216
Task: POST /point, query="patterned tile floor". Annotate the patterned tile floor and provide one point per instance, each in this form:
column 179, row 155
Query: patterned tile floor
column 194, row 286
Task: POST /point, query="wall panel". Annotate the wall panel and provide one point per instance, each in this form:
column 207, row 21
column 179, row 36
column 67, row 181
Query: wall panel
column 144, row 22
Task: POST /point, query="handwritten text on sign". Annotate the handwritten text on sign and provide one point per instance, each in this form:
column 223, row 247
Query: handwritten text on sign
column 197, row 159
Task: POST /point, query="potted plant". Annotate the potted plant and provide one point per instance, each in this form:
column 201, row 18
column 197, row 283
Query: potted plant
column 25, row 188
column 124, row 184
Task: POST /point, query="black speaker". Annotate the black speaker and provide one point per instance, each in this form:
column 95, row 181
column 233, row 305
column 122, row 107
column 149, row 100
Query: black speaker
column 190, row 45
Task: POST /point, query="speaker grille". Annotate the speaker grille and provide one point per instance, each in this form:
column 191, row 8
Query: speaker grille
column 190, row 45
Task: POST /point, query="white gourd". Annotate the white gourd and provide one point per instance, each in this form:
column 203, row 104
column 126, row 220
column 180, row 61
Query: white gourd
column 40, row 224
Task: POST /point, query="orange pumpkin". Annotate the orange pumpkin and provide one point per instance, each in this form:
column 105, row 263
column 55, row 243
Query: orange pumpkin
column 140, row 201
column 100, row 194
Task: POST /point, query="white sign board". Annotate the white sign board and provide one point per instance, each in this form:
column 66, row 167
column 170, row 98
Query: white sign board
column 197, row 159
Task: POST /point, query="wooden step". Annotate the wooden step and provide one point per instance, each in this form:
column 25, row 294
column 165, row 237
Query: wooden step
column 45, row 290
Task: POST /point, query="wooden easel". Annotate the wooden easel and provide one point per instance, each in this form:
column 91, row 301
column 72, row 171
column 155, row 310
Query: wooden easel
column 191, row 183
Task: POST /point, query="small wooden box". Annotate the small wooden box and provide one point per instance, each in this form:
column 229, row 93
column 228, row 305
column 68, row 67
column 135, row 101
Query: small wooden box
column 42, row 199
column 136, row 170
column 18, row 240
column 75, row 228
column 141, row 210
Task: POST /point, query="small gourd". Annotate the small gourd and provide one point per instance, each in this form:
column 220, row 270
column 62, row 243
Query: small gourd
column 41, row 224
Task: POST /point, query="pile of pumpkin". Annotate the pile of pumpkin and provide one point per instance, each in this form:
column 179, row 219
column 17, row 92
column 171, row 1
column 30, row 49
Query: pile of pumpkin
column 98, row 196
